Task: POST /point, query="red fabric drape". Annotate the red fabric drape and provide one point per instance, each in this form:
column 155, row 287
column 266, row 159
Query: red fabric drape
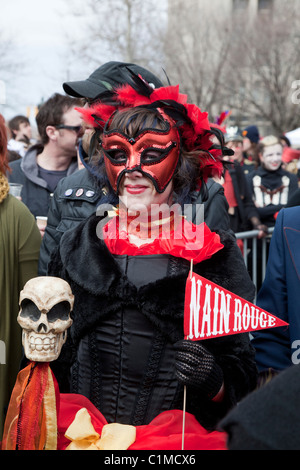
column 163, row 433
column 187, row 241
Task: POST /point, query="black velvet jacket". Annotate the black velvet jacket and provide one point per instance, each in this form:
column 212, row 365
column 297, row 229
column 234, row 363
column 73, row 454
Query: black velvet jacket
column 128, row 315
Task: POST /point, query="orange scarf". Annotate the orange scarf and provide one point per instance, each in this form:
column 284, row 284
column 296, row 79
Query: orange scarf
column 31, row 422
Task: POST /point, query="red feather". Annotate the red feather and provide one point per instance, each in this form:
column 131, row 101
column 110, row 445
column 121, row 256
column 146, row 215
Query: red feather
column 128, row 97
column 199, row 118
column 168, row 93
column 102, row 111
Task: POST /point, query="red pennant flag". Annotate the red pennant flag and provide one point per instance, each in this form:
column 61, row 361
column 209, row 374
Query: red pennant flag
column 211, row 311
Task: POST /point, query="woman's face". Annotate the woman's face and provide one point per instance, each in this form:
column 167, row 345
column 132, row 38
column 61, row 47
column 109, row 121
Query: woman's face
column 237, row 147
column 271, row 158
column 141, row 160
column 137, row 193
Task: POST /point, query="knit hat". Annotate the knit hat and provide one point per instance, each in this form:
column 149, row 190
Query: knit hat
column 252, row 133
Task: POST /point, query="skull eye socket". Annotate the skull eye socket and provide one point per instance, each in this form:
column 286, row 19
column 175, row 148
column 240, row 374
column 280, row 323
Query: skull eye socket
column 29, row 310
column 60, row 311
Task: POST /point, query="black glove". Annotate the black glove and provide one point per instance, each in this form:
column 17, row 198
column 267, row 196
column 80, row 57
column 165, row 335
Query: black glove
column 196, row 367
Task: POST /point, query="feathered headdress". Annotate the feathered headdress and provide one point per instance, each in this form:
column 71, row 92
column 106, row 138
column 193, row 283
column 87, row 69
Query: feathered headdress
column 196, row 131
column 220, row 120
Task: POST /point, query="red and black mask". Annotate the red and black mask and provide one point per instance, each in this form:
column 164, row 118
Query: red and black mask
column 153, row 152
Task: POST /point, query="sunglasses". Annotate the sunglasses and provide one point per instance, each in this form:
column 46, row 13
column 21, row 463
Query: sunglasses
column 77, row 129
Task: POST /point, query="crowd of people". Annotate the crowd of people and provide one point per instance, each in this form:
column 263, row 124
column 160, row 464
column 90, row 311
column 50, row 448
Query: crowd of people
column 122, row 139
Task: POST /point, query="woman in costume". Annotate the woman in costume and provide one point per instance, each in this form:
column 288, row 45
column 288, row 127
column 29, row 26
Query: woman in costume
column 126, row 350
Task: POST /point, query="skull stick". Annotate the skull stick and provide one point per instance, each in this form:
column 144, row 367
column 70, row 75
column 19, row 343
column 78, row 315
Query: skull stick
column 46, row 304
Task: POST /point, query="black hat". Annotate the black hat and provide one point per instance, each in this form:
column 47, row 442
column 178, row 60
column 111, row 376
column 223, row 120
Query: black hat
column 105, row 78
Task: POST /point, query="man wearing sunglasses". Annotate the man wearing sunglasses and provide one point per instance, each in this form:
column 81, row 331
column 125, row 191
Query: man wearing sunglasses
column 53, row 157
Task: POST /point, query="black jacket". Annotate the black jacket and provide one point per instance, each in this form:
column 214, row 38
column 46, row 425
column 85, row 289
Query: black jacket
column 246, row 216
column 271, row 191
column 128, row 313
column 77, row 197
column 35, row 193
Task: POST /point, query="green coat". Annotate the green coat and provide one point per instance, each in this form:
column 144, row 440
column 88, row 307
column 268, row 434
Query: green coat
column 20, row 242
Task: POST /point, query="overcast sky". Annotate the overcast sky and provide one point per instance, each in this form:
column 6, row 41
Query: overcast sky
column 38, row 31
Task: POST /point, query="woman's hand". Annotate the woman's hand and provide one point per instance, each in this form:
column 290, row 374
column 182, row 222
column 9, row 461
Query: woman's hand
column 196, row 367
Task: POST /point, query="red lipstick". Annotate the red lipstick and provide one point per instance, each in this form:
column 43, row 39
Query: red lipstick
column 135, row 188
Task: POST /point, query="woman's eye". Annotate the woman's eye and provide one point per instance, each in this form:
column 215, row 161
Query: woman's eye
column 118, row 155
column 151, row 155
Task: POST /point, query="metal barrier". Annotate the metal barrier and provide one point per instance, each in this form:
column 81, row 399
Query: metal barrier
column 253, row 236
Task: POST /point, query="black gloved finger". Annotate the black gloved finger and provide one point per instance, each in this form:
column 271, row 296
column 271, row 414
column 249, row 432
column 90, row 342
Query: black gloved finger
column 188, row 358
column 185, row 369
column 193, row 347
column 196, row 367
column 192, row 352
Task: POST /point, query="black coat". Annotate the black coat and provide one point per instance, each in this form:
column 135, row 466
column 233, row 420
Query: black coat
column 246, row 215
column 267, row 419
column 75, row 198
column 124, row 330
column 262, row 180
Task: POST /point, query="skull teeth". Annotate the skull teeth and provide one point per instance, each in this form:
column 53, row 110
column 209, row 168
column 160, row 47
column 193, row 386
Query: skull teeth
column 42, row 344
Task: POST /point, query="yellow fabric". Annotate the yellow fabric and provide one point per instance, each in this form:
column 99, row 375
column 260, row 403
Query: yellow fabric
column 114, row 436
column 51, row 414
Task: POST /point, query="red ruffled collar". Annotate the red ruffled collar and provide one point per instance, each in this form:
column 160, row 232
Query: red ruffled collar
column 188, row 241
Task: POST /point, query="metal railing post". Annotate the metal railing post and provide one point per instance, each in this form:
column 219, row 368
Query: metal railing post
column 253, row 235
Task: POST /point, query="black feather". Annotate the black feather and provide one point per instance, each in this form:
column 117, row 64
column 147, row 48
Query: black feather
column 166, row 75
column 104, row 96
column 137, row 83
column 174, row 110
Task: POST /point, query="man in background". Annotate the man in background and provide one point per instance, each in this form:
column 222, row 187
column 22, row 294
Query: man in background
column 21, row 134
column 53, row 158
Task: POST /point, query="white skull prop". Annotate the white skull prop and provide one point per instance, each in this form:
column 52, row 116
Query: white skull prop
column 46, row 303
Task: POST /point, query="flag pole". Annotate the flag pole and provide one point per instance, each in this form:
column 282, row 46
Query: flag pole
column 183, row 416
column 191, row 269
column 184, row 387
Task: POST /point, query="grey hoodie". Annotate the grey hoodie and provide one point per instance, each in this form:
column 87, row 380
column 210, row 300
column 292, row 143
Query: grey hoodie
column 35, row 192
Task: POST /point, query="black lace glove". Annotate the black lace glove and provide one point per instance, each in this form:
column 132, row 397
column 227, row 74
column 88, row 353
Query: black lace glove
column 196, row 367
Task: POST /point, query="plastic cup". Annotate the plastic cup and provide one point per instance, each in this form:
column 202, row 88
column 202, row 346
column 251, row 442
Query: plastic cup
column 41, row 221
column 15, row 189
